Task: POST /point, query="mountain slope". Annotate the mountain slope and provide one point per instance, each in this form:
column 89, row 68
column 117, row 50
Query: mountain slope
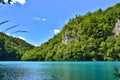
column 12, row 48
column 88, row 37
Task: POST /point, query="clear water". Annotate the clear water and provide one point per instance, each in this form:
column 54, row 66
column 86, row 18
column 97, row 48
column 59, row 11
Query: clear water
column 58, row 70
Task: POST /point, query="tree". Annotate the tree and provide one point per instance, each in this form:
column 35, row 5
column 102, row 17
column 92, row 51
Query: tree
column 89, row 37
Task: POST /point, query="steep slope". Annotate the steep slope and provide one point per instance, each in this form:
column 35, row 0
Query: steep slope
column 12, row 48
column 88, row 37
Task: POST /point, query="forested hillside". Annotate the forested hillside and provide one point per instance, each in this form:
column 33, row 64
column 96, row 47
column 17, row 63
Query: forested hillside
column 83, row 38
column 12, row 48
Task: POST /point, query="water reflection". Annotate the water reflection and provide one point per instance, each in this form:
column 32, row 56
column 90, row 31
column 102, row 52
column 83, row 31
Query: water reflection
column 56, row 71
column 11, row 73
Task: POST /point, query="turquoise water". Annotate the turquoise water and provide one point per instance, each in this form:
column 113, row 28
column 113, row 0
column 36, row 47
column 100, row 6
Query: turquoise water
column 57, row 70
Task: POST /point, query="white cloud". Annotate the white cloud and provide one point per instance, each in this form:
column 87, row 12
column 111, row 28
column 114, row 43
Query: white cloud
column 39, row 19
column 44, row 19
column 20, row 37
column 19, row 1
column 56, row 31
column 8, row 34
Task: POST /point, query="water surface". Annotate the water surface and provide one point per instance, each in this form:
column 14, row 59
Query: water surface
column 58, row 70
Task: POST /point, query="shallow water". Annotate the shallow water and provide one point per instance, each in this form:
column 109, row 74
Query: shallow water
column 58, row 70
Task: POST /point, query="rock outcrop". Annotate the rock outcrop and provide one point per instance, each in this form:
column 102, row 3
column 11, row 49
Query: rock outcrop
column 117, row 28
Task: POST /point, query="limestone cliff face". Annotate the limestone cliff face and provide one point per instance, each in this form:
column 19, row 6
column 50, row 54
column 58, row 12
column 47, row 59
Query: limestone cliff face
column 66, row 40
column 117, row 28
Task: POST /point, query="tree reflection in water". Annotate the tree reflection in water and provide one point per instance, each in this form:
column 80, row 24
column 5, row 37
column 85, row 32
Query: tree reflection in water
column 11, row 73
column 116, row 73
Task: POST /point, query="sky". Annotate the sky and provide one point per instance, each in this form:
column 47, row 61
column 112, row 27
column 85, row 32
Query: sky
column 45, row 18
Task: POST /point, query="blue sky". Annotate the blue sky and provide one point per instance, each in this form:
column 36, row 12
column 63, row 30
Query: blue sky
column 45, row 18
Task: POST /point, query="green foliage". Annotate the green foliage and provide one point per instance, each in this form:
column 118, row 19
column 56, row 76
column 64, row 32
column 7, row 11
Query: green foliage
column 90, row 37
column 12, row 48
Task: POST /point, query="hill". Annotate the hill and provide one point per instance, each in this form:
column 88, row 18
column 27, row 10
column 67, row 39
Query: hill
column 84, row 38
column 12, row 48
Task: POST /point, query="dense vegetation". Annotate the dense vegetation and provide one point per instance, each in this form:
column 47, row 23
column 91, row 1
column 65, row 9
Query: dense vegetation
column 12, row 48
column 90, row 37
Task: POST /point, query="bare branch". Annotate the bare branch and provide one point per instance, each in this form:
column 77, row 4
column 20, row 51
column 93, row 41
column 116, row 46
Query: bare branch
column 4, row 1
column 19, row 31
column 4, row 22
column 10, row 28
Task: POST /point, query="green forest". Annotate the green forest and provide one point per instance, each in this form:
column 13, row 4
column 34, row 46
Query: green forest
column 89, row 37
column 12, row 49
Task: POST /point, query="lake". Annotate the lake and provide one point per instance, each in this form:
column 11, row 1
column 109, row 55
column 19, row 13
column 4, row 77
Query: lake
column 57, row 70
